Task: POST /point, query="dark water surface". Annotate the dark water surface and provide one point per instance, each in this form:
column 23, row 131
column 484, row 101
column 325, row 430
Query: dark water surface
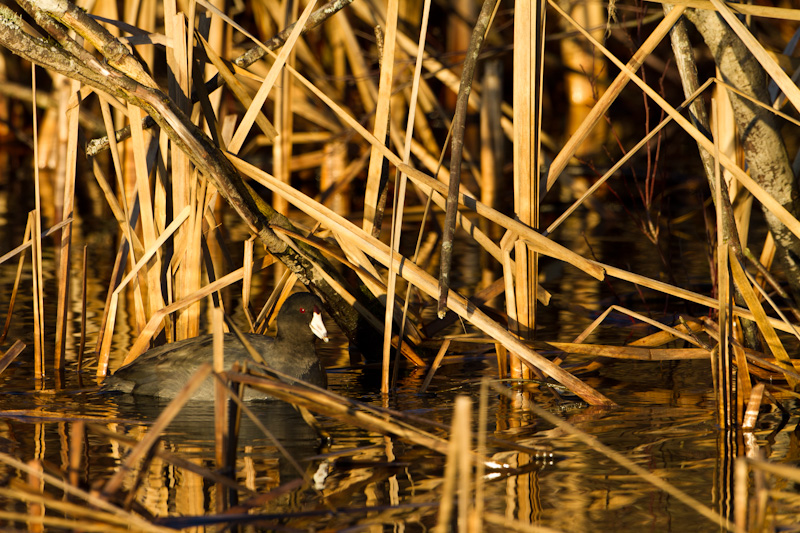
column 665, row 422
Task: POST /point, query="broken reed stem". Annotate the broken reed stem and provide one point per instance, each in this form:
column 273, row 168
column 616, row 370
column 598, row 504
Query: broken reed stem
column 12, row 300
column 64, row 263
column 11, row 354
column 401, row 182
column 722, row 364
column 457, row 148
column 84, row 295
column 36, row 254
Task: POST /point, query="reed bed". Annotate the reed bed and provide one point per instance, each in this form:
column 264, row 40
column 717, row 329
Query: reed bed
column 290, row 131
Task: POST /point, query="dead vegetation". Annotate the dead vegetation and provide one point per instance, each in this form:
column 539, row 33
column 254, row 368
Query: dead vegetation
column 325, row 142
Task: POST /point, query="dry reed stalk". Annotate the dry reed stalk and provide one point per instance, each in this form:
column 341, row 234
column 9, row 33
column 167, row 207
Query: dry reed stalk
column 789, row 88
column 754, row 402
column 609, row 96
column 764, row 326
column 594, row 443
column 185, row 277
column 421, row 279
column 437, row 361
column 247, row 264
column 721, row 357
column 11, row 354
column 631, row 352
column 688, row 326
column 676, row 333
column 36, row 252
column 143, row 340
column 38, row 297
column 278, row 295
column 84, row 297
column 621, row 161
column 507, row 363
column 685, row 294
column 64, row 263
column 103, row 344
column 779, row 13
column 374, row 188
column 148, row 254
column 527, row 94
column 754, row 357
column 131, row 519
column 780, row 212
column 120, row 212
column 345, row 410
column 766, row 297
column 147, row 215
column 27, row 241
column 492, row 154
column 283, row 110
column 13, row 298
column 154, row 432
column 399, row 198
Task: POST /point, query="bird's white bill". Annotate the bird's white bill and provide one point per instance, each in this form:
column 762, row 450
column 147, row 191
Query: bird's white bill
column 318, row 327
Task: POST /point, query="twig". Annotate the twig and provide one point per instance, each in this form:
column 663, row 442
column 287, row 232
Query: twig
column 457, row 148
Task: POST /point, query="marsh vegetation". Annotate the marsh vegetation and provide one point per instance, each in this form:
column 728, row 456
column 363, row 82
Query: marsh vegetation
column 557, row 245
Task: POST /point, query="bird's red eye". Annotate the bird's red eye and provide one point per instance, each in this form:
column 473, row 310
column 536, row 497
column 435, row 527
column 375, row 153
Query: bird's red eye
column 302, row 309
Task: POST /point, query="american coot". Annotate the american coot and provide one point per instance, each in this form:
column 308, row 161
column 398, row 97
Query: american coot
column 163, row 371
